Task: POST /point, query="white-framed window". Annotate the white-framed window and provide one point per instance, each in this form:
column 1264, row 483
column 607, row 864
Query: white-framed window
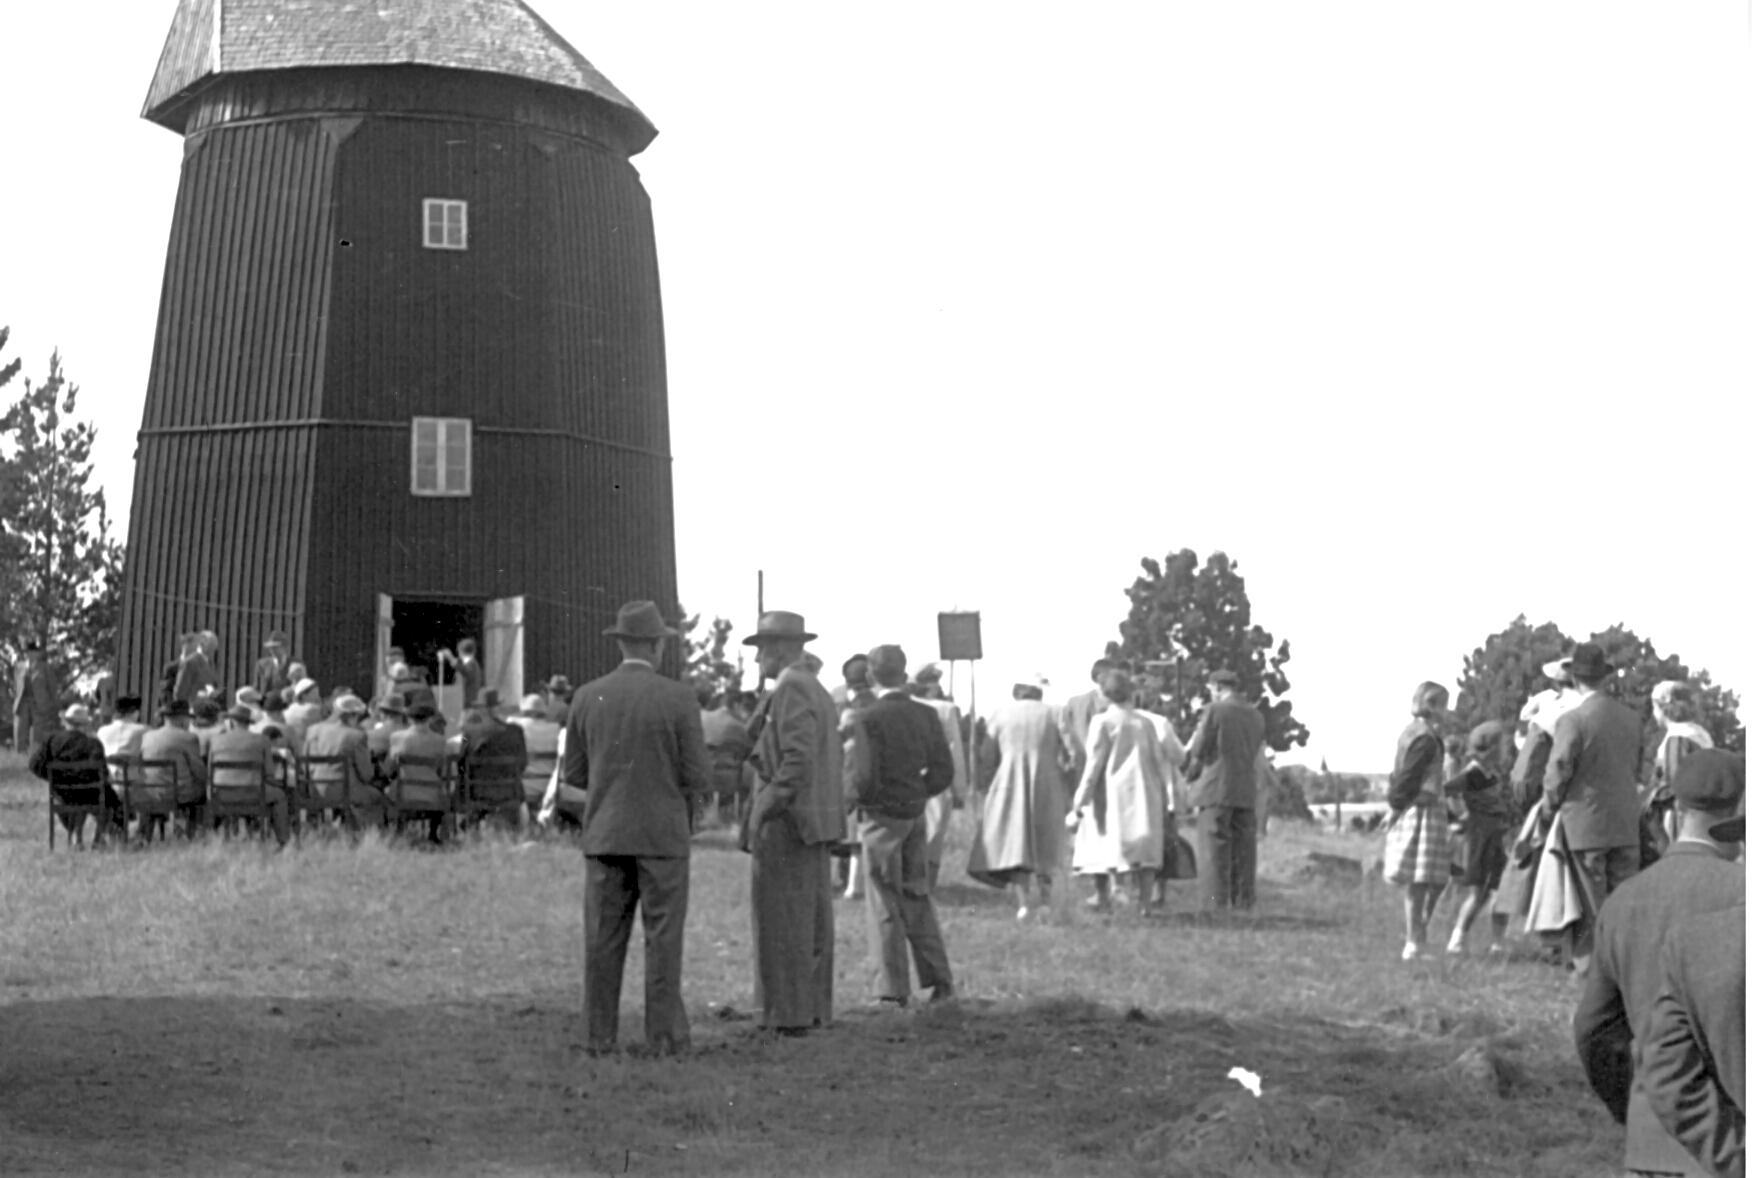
column 443, row 460
column 446, row 223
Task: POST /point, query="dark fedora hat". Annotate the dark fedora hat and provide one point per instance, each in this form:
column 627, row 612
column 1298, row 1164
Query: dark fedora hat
column 488, row 699
column 1588, row 662
column 778, row 625
column 640, row 619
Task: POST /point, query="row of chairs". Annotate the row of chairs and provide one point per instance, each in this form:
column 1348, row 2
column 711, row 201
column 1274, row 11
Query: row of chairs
column 470, row 791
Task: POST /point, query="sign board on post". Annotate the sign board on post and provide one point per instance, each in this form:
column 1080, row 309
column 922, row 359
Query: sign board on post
column 958, row 636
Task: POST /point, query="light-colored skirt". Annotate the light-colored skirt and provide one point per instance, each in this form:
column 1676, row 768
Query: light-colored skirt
column 1417, row 850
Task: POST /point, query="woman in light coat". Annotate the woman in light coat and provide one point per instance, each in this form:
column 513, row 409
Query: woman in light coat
column 1020, row 835
column 1120, row 804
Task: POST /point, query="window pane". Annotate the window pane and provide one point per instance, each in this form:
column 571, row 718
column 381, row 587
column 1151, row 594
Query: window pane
column 426, row 432
column 425, row 478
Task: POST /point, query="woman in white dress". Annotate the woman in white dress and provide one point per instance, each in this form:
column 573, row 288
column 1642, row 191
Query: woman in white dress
column 1119, row 809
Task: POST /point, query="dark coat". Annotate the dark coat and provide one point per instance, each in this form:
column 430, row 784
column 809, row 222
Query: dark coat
column 489, row 736
column 1225, row 747
column 1694, row 1062
column 900, row 757
column 67, row 747
column 1592, row 773
column 1610, row 1021
column 634, row 744
column 270, row 675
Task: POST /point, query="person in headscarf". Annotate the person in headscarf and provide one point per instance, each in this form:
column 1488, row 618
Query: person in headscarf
column 1119, row 806
column 1417, row 849
column 1676, row 710
column 1020, row 835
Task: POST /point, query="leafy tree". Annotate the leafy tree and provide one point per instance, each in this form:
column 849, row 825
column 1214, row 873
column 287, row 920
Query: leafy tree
column 1498, row 677
column 1187, row 621
column 63, row 570
column 705, row 655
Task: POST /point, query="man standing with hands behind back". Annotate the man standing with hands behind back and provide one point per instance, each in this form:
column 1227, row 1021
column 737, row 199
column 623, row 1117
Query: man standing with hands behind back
column 633, row 742
column 1226, row 746
column 797, row 813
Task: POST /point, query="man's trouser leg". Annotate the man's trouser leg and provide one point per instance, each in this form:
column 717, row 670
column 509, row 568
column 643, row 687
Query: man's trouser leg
column 663, row 905
column 611, row 890
column 896, row 854
column 1600, row 872
column 280, row 814
column 790, row 901
column 1243, row 857
column 1214, row 853
column 936, row 824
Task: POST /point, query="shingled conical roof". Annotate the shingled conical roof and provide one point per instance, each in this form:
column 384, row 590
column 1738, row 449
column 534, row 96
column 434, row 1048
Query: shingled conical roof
column 210, row 37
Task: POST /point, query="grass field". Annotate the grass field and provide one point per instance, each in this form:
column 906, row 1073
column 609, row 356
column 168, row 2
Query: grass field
column 221, row 1009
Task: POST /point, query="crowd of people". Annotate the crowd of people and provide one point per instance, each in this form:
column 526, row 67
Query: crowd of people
column 1635, row 885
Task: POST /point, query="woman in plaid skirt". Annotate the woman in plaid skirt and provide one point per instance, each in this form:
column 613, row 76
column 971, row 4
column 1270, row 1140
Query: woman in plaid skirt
column 1417, row 852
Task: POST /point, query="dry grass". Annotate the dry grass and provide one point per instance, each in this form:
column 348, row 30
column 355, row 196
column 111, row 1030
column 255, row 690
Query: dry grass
column 222, row 1009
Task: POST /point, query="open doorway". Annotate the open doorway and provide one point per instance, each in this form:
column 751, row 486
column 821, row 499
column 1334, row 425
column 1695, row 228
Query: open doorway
column 422, row 628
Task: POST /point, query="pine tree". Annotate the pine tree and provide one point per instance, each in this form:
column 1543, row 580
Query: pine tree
column 1187, row 621
column 63, row 570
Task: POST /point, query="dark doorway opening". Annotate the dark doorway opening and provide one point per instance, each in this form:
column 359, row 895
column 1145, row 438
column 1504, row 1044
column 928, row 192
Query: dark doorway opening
column 423, row 628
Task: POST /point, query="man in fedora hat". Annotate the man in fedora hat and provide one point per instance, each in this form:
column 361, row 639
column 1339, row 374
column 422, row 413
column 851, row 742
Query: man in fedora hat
column 414, row 770
column 1696, row 876
column 174, row 762
column 71, row 761
column 195, row 676
column 1225, row 747
column 236, row 744
column 271, row 669
column 1591, row 787
column 1075, row 717
column 633, row 744
column 796, row 815
column 353, row 776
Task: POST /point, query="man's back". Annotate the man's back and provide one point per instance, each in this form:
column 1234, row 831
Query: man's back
column 332, row 738
column 900, row 757
column 1226, row 747
column 799, row 718
column 634, row 743
column 238, row 745
column 418, row 741
column 1594, row 759
column 1028, row 729
column 1074, row 719
column 54, row 759
column 1625, row 980
column 121, row 738
column 183, row 749
column 488, row 736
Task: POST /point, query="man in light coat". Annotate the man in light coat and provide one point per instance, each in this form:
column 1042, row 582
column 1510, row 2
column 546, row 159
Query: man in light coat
column 250, row 756
column 633, row 744
column 182, row 769
column 1225, row 747
column 1591, row 786
column 353, row 777
column 796, row 815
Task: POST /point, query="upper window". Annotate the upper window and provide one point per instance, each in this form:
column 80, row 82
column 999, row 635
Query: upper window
column 446, row 224
column 442, row 456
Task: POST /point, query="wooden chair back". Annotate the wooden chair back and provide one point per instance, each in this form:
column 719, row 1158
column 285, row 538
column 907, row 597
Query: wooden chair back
column 90, row 774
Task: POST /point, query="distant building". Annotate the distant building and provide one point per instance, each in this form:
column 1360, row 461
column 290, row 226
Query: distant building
column 408, row 383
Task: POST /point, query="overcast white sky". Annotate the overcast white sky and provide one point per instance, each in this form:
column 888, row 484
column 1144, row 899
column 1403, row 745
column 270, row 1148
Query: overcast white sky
column 1429, row 314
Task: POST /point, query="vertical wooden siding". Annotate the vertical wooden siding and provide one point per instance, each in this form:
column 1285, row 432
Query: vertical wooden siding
column 217, row 531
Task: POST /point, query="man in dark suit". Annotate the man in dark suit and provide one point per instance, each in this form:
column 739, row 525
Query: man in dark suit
column 484, row 735
column 70, row 759
column 1694, row 1060
column 36, row 703
column 1590, row 784
column 1224, row 749
column 633, row 743
column 270, row 670
column 899, row 760
column 1696, row 875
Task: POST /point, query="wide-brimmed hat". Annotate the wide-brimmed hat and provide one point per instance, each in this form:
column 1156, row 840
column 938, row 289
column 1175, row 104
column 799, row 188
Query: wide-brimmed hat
column 779, row 625
column 302, row 686
column 350, row 705
column 1557, row 670
column 77, row 714
column 393, row 705
column 250, row 696
column 640, row 619
column 241, row 714
column 532, row 705
column 1588, row 661
column 275, row 636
